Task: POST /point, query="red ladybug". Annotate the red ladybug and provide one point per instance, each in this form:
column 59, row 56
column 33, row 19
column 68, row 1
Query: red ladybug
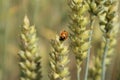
column 63, row 35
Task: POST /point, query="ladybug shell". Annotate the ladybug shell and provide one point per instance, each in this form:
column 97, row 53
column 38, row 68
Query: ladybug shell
column 63, row 35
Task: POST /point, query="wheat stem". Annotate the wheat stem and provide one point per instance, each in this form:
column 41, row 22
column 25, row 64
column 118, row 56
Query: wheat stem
column 78, row 73
column 88, row 54
column 107, row 22
column 106, row 9
column 88, row 57
column 103, row 60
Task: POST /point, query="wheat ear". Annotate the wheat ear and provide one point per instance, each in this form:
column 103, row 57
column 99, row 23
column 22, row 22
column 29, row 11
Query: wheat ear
column 107, row 22
column 80, row 35
column 96, row 7
column 29, row 58
column 58, row 61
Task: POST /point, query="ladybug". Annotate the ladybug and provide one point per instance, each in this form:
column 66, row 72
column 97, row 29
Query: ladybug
column 63, row 35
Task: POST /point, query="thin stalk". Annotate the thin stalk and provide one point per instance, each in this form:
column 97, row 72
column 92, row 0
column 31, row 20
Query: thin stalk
column 78, row 72
column 5, row 5
column 103, row 58
column 88, row 55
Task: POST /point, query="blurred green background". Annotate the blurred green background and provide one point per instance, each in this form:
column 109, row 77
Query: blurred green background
column 49, row 17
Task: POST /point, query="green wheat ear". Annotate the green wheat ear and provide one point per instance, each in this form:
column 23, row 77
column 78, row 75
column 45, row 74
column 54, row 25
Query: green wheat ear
column 58, row 61
column 79, row 32
column 105, row 10
column 29, row 57
column 108, row 19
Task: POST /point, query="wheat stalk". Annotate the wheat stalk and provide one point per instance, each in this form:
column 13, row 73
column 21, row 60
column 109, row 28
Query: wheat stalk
column 29, row 57
column 107, row 22
column 95, row 8
column 95, row 70
column 80, row 34
column 58, row 61
column 98, row 7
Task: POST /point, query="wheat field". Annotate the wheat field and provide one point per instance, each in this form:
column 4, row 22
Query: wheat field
column 49, row 17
